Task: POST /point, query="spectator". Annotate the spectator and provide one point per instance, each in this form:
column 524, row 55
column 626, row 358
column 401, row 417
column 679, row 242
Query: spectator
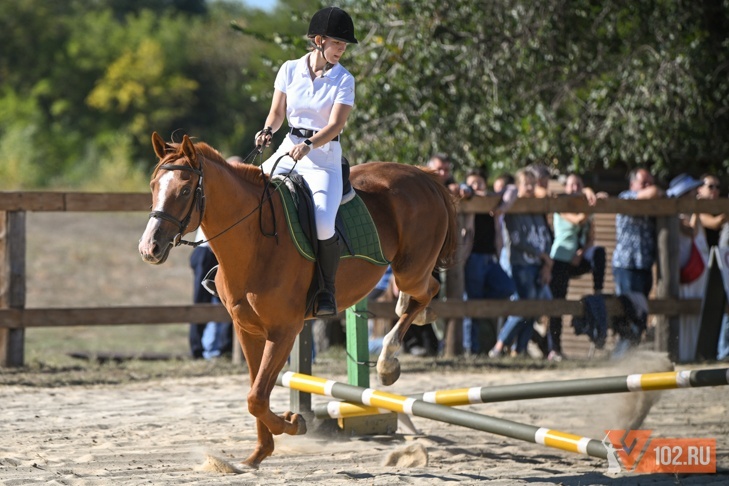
column 484, row 277
column 716, row 228
column 693, row 253
column 499, row 185
column 541, row 189
column 441, row 164
column 723, row 346
column 712, row 223
column 635, row 249
column 422, row 340
column 574, row 253
column 207, row 339
column 541, row 172
column 530, row 241
column 502, row 181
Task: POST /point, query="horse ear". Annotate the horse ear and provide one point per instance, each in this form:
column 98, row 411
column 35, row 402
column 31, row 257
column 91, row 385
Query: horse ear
column 188, row 149
column 159, row 145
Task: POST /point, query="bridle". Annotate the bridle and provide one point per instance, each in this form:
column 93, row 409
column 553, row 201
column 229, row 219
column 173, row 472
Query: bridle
column 198, row 202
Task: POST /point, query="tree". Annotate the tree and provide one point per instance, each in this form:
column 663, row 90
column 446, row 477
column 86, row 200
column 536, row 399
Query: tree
column 575, row 84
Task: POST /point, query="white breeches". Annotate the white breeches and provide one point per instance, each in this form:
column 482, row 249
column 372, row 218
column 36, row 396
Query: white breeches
column 322, row 170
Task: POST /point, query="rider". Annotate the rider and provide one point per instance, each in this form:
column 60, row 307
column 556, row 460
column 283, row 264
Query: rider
column 316, row 94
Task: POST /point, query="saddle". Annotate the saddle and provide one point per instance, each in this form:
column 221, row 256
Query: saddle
column 304, row 204
column 357, row 232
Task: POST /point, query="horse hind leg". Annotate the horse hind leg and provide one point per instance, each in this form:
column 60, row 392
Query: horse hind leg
column 388, row 366
column 425, row 316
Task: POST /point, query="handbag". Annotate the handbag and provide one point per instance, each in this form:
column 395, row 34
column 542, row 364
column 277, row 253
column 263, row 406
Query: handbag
column 694, row 266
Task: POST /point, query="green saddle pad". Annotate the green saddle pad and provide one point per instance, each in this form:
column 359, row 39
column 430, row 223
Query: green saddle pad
column 359, row 229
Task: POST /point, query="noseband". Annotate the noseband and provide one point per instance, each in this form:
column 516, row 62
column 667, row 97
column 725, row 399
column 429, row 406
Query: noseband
column 197, row 202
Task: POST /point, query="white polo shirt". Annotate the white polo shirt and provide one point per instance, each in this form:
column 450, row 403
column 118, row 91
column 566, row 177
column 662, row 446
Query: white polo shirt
column 309, row 102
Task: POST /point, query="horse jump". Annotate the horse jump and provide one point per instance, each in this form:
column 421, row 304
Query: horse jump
column 547, row 389
column 419, row 408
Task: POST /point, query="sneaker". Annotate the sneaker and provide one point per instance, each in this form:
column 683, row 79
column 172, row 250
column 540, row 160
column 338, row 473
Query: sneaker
column 494, row 354
column 554, row 356
column 621, row 349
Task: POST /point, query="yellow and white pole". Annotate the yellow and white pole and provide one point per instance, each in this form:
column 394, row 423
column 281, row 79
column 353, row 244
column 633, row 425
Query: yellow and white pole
column 420, row 408
column 546, row 389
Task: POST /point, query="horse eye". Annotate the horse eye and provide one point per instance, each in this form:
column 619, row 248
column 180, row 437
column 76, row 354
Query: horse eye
column 185, row 191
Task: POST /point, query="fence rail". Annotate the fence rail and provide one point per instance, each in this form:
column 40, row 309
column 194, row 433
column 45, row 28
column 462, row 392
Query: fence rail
column 15, row 318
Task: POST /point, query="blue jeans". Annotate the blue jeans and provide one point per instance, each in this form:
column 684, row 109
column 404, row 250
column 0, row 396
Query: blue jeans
column 722, row 350
column 634, row 280
column 207, row 339
column 520, row 328
column 484, row 279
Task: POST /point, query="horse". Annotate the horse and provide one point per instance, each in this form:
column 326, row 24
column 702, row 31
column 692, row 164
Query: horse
column 263, row 281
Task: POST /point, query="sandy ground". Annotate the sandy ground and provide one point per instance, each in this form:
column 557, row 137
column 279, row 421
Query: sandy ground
column 161, row 433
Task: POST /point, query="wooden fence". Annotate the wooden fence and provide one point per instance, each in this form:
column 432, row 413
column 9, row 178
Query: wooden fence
column 15, row 318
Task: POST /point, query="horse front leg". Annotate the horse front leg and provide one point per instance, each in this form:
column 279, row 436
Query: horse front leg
column 253, row 351
column 274, row 354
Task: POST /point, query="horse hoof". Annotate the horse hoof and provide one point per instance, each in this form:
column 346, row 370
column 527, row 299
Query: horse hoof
column 300, row 423
column 297, row 420
column 388, row 371
column 251, row 463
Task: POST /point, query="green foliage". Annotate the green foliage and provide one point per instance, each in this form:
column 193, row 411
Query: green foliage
column 575, row 84
column 578, row 85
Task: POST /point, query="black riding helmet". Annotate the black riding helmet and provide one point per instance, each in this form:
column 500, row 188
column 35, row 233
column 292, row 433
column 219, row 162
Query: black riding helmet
column 333, row 22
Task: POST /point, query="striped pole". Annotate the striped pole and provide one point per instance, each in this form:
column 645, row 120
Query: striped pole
column 546, row 389
column 419, row 408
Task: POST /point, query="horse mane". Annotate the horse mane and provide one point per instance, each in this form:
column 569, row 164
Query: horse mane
column 247, row 172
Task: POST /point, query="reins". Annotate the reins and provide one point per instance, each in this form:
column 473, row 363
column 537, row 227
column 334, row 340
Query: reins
column 200, row 200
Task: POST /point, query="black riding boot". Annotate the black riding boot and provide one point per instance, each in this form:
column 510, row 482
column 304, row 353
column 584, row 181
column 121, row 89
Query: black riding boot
column 328, row 262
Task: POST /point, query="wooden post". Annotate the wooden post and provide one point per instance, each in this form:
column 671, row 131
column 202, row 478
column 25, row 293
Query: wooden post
column 455, row 287
column 666, row 339
column 12, row 284
column 237, row 354
column 301, row 360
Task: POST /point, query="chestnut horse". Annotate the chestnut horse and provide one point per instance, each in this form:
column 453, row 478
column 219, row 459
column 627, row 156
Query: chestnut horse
column 263, row 281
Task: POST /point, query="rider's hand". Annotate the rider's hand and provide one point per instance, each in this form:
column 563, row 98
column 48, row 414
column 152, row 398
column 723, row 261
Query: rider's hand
column 299, row 151
column 263, row 138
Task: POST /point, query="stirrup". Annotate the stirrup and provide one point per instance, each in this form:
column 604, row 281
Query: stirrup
column 208, row 282
column 326, row 306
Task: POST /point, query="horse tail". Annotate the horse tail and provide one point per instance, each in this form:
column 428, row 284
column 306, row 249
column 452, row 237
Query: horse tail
column 447, row 255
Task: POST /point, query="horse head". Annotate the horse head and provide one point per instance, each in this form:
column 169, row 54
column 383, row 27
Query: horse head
column 177, row 198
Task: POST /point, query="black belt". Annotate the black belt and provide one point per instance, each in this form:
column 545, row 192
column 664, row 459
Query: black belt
column 306, row 133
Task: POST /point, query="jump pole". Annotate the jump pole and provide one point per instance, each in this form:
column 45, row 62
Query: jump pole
column 547, row 389
column 442, row 413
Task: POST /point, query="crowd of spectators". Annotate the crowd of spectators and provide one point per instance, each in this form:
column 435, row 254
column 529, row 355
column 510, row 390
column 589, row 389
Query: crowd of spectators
column 535, row 256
